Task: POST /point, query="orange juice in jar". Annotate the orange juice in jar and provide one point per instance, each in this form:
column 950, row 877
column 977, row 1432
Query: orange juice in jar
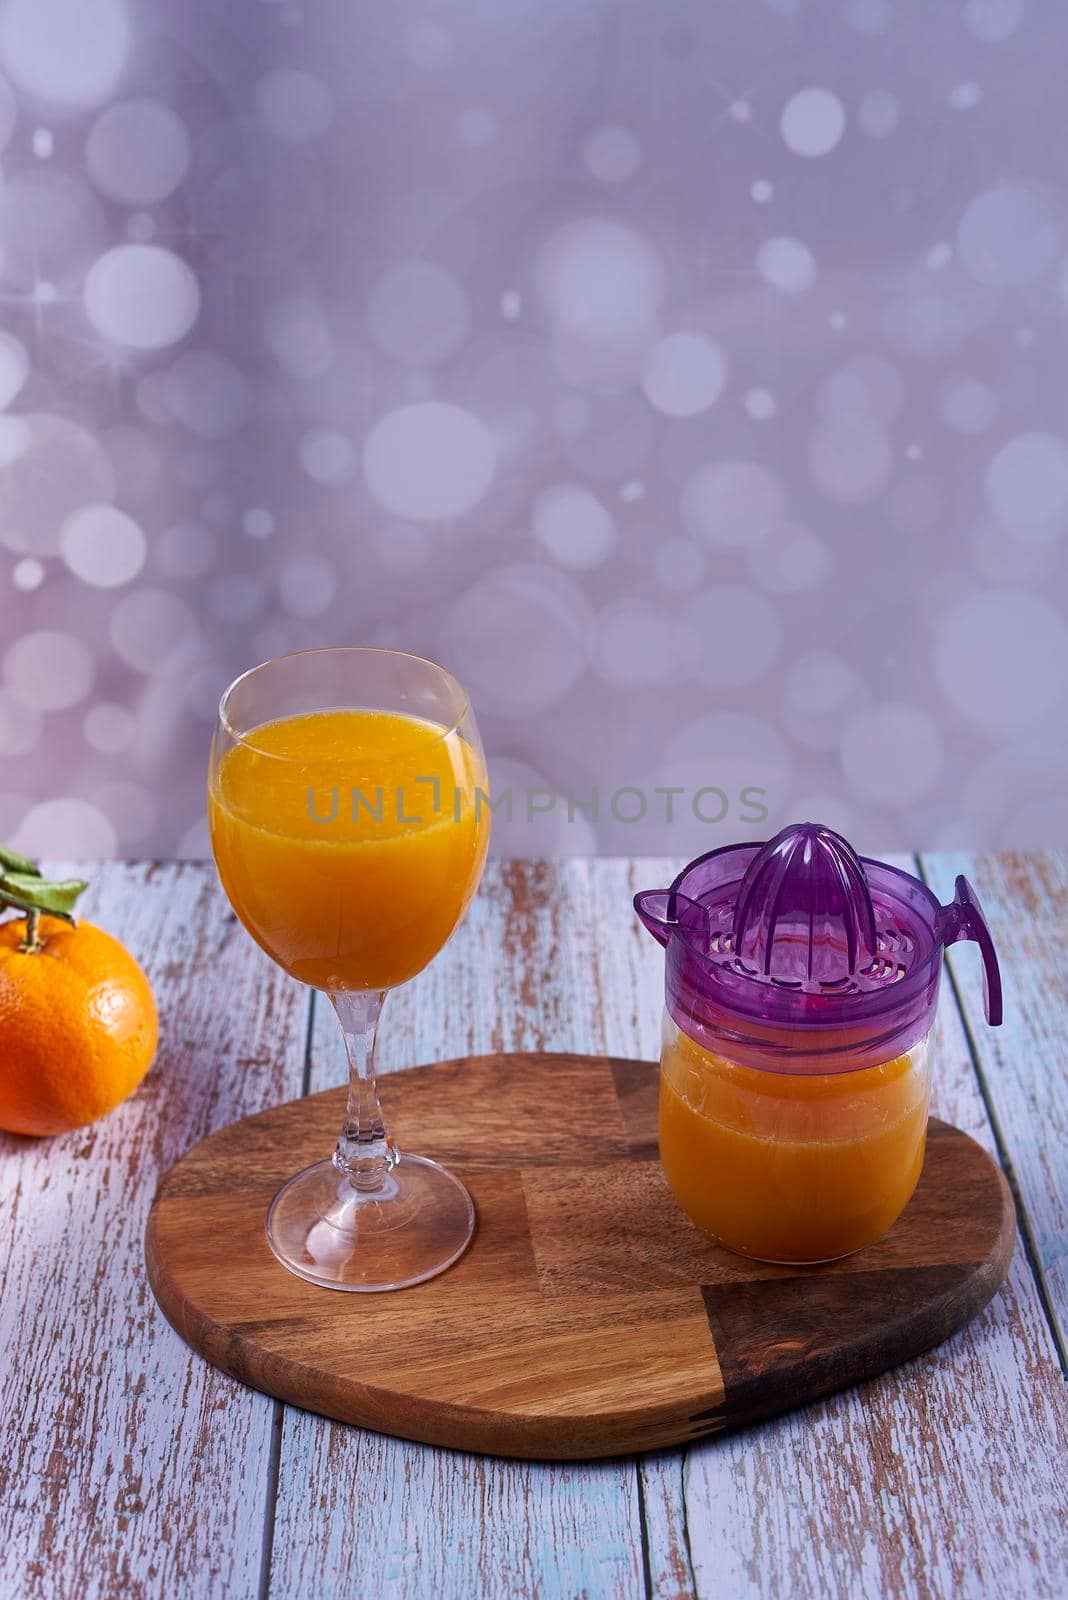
column 795, row 1073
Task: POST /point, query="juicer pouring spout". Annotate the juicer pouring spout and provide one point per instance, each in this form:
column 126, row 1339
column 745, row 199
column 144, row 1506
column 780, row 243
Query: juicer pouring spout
column 662, row 911
column 963, row 919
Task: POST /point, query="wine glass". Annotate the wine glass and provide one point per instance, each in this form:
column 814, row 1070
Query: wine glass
column 350, row 816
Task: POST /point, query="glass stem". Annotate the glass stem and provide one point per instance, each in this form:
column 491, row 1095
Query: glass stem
column 365, row 1152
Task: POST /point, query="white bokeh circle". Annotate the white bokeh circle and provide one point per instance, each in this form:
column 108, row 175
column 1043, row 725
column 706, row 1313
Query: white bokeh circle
column 298, row 336
column 418, row 312
column 791, row 560
column 611, row 154
column 601, row 279
column 637, row 646
column 867, row 383
column 574, row 526
column 102, row 546
column 760, row 404
column 49, row 670
column 870, row 17
column 891, row 754
column 993, row 20
column 1010, row 235
column 684, row 374
column 141, row 296
column 155, row 633
column 964, row 96
column 138, row 152
column 28, row 574
column 547, row 831
column 850, row 457
column 184, row 550
column 733, row 503
column 258, row 522
column 429, row 462
column 14, row 367
column 15, row 440
column 52, row 228
column 109, row 728
column 326, row 456
column 66, row 826
column 733, row 752
column 519, row 638
column 70, row 53
column 207, row 394
column 1001, row 657
column 786, row 264
column 822, row 693
column 1004, row 790
column 307, row 586
column 812, row 122
column 969, row 406
column 52, row 467
column 1024, row 562
column 1027, row 485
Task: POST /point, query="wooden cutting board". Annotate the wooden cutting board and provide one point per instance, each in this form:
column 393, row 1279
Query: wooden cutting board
column 589, row 1317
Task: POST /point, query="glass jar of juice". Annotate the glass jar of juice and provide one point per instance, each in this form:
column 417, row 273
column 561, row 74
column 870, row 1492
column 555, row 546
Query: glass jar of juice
column 801, row 989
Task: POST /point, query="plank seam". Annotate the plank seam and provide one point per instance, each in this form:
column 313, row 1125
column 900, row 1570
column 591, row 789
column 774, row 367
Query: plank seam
column 684, row 1467
column 643, row 1531
column 274, row 1459
column 1023, row 1220
column 305, row 1077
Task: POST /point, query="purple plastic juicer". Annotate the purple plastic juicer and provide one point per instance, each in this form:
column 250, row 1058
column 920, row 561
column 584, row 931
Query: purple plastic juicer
column 798, row 955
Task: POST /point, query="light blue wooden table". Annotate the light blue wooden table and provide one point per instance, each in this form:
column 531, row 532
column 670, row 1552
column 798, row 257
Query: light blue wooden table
column 130, row 1468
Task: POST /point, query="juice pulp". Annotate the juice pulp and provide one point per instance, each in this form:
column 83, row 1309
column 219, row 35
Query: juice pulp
column 350, row 842
column 789, row 1167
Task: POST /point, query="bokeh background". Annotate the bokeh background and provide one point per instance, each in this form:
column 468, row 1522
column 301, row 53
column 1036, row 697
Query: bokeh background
column 689, row 377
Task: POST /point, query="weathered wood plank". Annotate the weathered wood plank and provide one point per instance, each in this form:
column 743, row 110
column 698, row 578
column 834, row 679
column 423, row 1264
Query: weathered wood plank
column 629, row 974
column 399, row 1519
column 1023, row 1063
column 940, row 1480
column 128, row 1467
column 115, row 1476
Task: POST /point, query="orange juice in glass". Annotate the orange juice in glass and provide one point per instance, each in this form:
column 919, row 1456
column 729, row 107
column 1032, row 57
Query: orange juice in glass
column 802, row 983
column 349, row 818
column 350, row 842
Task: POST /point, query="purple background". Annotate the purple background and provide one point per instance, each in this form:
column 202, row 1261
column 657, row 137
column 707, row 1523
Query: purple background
column 687, row 377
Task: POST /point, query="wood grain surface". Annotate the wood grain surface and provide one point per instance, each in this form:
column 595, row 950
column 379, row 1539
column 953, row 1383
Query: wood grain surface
column 1023, row 1065
column 589, row 1317
column 940, row 1480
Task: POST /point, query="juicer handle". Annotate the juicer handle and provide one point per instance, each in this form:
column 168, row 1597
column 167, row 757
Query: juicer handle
column 661, row 911
column 964, row 919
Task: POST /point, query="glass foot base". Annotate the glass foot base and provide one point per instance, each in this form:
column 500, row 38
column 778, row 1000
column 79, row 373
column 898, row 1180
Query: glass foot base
column 416, row 1225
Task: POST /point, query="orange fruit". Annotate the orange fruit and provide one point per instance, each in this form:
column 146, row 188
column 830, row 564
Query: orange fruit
column 78, row 1026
